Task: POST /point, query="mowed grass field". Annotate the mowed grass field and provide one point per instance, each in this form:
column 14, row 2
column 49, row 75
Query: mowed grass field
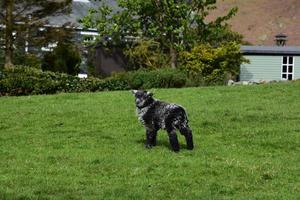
column 91, row 146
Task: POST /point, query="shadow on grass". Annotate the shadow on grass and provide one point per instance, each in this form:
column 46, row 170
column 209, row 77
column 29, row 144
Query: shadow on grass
column 164, row 143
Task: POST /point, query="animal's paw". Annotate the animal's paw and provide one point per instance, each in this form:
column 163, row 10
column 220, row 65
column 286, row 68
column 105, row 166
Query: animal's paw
column 190, row 147
column 148, row 146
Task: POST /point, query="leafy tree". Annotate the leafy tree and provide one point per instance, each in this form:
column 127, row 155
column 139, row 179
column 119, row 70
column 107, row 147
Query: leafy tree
column 146, row 54
column 21, row 16
column 64, row 58
column 175, row 24
column 222, row 34
column 213, row 63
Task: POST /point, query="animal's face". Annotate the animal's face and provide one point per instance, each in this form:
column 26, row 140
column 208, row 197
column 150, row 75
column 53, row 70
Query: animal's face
column 142, row 98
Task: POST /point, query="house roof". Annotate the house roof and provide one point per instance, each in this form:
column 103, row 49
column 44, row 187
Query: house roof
column 270, row 50
column 79, row 9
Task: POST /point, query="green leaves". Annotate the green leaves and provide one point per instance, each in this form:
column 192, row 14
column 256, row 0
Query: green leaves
column 65, row 58
column 23, row 80
column 25, row 19
column 146, row 54
column 177, row 25
column 210, row 62
column 172, row 23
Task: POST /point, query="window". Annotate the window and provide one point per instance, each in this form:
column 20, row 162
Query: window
column 287, row 70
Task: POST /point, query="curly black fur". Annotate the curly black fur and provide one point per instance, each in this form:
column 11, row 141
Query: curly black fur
column 155, row 115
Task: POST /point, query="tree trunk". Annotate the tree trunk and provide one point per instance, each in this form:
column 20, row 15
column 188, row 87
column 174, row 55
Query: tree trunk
column 9, row 34
column 173, row 55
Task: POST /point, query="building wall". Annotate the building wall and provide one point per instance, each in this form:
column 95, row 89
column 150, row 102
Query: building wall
column 297, row 67
column 266, row 68
column 261, row 68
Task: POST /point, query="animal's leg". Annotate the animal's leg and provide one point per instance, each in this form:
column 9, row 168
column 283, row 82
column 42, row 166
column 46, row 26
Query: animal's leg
column 187, row 132
column 173, row 140
column 153, row 138
column 150, row 138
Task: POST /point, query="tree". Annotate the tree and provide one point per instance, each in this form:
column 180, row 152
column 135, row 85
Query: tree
column 64, row 58
column 8, row 32
column 213, row 63
column 175, row 24
column 19, row 16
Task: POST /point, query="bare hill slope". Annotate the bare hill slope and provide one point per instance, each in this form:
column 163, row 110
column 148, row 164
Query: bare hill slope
column 260, row 20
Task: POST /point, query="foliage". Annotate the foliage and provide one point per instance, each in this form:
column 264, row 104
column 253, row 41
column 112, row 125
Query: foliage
column 146, row 54
column 64, row 58
column 214, row 64
column 1, row 58
column 22, row 80
column 27, row 59
column 91, row 69
column 90, row 146
column 221, row 35
column 24, row 18
column 159, row 78
column 176, row 25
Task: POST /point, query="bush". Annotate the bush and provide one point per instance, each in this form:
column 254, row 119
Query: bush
column 212, row 64
column 145, row 54
column 22, row 80
column 28, row 59
column 65, row 58
column 160, row 78
column 146, row 79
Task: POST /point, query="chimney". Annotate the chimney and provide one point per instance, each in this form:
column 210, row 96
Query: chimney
column 280, row 39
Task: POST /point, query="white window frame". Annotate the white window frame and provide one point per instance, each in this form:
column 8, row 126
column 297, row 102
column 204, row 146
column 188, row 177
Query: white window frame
column 287, row 73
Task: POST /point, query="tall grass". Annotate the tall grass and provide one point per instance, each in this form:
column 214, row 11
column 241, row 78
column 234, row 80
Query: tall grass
column 90, row 146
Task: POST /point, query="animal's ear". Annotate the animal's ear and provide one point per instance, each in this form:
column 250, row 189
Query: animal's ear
column 134, row 91
column 150, row 94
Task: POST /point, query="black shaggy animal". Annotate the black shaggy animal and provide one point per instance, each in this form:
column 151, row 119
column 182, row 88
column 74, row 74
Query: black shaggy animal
column 155, row 115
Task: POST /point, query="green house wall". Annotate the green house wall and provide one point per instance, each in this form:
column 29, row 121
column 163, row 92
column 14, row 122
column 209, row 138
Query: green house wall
column 297, row 67
column 266, row 68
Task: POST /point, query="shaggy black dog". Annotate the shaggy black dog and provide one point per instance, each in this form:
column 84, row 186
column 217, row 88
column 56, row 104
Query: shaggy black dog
column 155, row 115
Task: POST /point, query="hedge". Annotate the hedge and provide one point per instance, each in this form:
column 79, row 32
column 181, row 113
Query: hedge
column 23, row 80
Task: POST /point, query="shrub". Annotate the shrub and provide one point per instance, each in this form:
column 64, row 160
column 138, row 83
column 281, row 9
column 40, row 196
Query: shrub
column 22, row 80
column 1, row 58
column 160, row 78
column 146, row 54
column 65, row 58
column 28, row 59
column 213, row 64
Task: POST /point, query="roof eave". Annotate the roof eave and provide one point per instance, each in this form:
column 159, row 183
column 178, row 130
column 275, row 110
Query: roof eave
column 270, row 50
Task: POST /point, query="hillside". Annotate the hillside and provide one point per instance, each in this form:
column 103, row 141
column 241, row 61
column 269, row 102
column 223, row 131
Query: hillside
column 260, row 20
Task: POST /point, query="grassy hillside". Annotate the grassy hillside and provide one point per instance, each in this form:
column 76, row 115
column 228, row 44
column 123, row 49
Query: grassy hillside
column 90, row 146
column 260, row 20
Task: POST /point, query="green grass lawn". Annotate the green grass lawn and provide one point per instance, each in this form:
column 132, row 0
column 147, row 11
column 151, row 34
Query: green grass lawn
column 90, row 146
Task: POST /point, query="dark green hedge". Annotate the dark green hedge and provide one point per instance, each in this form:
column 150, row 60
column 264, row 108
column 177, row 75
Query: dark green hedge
column 22, row 80
column 160, row 78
